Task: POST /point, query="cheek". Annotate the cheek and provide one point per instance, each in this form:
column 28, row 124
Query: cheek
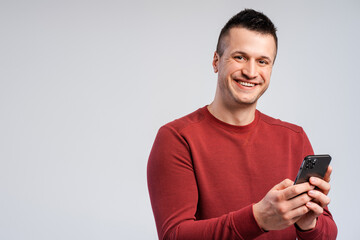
column 266, row 74
column 233, row 71
column 224, row 72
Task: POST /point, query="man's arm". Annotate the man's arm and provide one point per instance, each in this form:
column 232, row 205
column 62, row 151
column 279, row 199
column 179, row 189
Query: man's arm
column 174, row 196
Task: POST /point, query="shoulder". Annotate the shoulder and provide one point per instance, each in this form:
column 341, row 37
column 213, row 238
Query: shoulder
column 277, row 123
column 187, row 121
column 172, row 134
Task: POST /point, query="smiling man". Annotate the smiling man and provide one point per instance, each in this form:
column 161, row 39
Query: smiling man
column 223, row 171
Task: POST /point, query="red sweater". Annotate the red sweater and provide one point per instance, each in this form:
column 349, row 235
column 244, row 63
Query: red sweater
column 204, row 175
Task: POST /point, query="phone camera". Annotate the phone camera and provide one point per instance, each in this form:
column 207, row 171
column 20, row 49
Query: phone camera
column 310, row 163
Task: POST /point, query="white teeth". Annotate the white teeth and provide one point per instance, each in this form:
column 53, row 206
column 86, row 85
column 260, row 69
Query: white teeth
column 246, row 84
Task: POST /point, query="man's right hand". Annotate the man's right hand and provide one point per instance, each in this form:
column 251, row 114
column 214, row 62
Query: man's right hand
column 282, row 206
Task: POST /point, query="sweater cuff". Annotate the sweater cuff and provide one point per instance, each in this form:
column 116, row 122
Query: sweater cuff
column 245, row 224
column 313, row 233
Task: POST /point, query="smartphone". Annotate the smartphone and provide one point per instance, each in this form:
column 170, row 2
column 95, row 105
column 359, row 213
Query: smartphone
column 313, row 166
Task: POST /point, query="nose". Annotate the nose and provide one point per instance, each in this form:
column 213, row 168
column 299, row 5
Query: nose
column 250, row 70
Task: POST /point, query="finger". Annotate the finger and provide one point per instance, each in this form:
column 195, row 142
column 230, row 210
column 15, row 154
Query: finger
column 299, row 201
column 327, row 174
column 315, row 208
column 321, row 184
column 284, row 184
column 297, row 213
column 297, row 189
column 319, row 197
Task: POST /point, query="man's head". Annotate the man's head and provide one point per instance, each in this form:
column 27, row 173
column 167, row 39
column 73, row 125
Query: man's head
column 246, row 53
column 250, row 20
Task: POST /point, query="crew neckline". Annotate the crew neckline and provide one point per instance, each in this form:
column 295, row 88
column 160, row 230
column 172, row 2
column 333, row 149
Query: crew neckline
column 230, row 127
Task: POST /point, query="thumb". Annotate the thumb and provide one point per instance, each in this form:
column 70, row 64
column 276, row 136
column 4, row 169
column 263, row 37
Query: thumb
column 284, row 184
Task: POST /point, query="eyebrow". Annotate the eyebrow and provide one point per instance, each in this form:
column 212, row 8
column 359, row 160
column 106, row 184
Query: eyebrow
column 244, row 53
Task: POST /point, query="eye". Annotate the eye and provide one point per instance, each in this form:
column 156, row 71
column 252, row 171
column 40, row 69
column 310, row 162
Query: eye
column 263, row 62
column 240, row 58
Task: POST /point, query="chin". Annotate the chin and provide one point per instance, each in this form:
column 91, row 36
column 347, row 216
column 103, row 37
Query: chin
column 246, row 102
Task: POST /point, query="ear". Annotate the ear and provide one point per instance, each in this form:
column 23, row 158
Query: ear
column 215, row 62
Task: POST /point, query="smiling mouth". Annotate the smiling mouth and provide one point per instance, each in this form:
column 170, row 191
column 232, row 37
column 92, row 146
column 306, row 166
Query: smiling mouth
column 246, row 84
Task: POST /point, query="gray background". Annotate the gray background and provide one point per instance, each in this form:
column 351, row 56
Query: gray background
column 85, row 85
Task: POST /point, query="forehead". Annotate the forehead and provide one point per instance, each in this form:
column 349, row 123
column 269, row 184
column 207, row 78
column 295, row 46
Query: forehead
column 250, row 42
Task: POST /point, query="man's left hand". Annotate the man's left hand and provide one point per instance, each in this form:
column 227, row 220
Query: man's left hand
column 319, row 202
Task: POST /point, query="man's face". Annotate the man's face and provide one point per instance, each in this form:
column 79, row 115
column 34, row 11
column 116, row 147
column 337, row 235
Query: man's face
column 245, row 67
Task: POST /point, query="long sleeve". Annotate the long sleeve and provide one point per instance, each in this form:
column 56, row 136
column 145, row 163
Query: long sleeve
column 174, row 196
column 325, row 229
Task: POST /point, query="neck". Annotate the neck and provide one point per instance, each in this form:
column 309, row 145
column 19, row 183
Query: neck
column 234, row 115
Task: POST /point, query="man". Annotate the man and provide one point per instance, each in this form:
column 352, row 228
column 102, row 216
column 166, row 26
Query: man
column 223, row 171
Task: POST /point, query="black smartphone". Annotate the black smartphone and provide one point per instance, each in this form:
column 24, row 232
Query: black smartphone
column 313, row 166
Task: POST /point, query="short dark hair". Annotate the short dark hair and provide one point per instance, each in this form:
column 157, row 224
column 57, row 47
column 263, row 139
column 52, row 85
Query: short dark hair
column 248, row 19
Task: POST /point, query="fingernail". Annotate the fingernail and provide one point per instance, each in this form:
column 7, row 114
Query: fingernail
column 312, row 193
column 308, row 204
column 313, row 179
